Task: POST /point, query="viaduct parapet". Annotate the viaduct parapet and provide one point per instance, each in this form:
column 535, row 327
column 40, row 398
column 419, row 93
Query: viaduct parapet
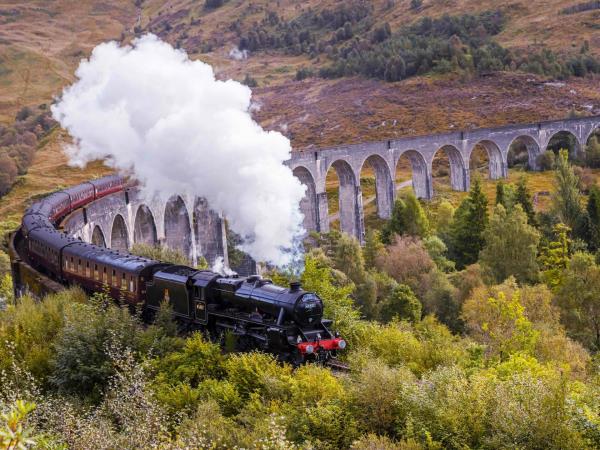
column 312, row 166
column 120, row 220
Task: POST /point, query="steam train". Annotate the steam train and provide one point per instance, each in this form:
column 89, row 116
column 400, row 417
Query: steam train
column 285, row 321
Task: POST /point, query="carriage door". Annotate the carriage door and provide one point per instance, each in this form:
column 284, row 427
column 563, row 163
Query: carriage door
column 201, row 315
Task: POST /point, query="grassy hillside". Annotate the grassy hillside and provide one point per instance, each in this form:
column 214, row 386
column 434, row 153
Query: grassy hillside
column 43, row 42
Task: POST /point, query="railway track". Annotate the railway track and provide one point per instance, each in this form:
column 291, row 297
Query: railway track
column 337, row 366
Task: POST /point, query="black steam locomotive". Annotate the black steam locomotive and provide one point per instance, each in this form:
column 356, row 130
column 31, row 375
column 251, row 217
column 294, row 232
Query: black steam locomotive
column 285, row 321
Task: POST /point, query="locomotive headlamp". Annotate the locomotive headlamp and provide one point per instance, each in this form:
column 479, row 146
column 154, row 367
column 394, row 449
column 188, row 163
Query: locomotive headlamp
column 341, row 344
column 309, row 349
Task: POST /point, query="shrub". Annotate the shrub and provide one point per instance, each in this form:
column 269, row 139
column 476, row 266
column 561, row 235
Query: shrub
column 374, row 394
column 401, row 304
column 164, row 254
column 257, row 373
column 416, row 4
column 8, row 173
column 30, row 329
column 339, row 306
column 213, row 3
column 6, row 290
column 592, row 151
column 304, row 73
column 406, row 261
column 197, row 361
column 91, row 333
column 500, row 323
column 13, row 435
column 546, row 160
column 249, row 81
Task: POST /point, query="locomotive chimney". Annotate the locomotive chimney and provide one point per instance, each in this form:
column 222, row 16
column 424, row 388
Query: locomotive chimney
column 295, row 286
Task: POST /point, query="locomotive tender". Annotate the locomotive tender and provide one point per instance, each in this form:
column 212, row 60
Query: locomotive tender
column 287, row 322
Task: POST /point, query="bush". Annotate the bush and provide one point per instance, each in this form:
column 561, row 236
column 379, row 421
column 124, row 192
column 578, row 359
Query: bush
column 8, row 173
column 92, row 333
column 592, row 152
column 406, row 261
column 401, row 304
column 249, row 81
column 213, row 3
column 30, row 329
column 500, row 323
column 257, row 373
column 374, row 396
column 546, row 160
column 165, row 254
column 197, row 361
column 303, row 73
column 6, row 290
column 416, row 4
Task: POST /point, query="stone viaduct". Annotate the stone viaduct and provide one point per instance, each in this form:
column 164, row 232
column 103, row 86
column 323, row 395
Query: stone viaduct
column 312, row 166
column 188, row 224
column 122, row 219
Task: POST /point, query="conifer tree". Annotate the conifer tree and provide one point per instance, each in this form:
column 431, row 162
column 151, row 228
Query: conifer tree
column 466, row 231
column 510, row 246
column 372, row 249
column 593, row 219
column 567, row 199
column 408, row 218
column 500, row 194
column 396, row 223
column 555, row 256
column 523, row 198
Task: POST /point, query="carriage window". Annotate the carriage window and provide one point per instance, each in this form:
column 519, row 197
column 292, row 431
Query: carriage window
column 131, row 284
column 79, row 268
column 87, row 269
column 104, row 276
column 96, row 274
column 114, row 278
column 123, row 282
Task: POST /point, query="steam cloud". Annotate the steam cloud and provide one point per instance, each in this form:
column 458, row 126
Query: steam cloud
column 149, row 109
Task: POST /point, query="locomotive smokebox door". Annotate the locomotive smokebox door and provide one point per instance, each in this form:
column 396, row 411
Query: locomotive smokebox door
column 201, row 313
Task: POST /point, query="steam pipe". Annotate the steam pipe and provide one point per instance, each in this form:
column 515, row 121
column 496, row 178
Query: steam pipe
column 281, row 317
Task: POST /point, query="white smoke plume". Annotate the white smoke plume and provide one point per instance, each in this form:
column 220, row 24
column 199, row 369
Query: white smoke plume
column 219, row 266
column 148, row 109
